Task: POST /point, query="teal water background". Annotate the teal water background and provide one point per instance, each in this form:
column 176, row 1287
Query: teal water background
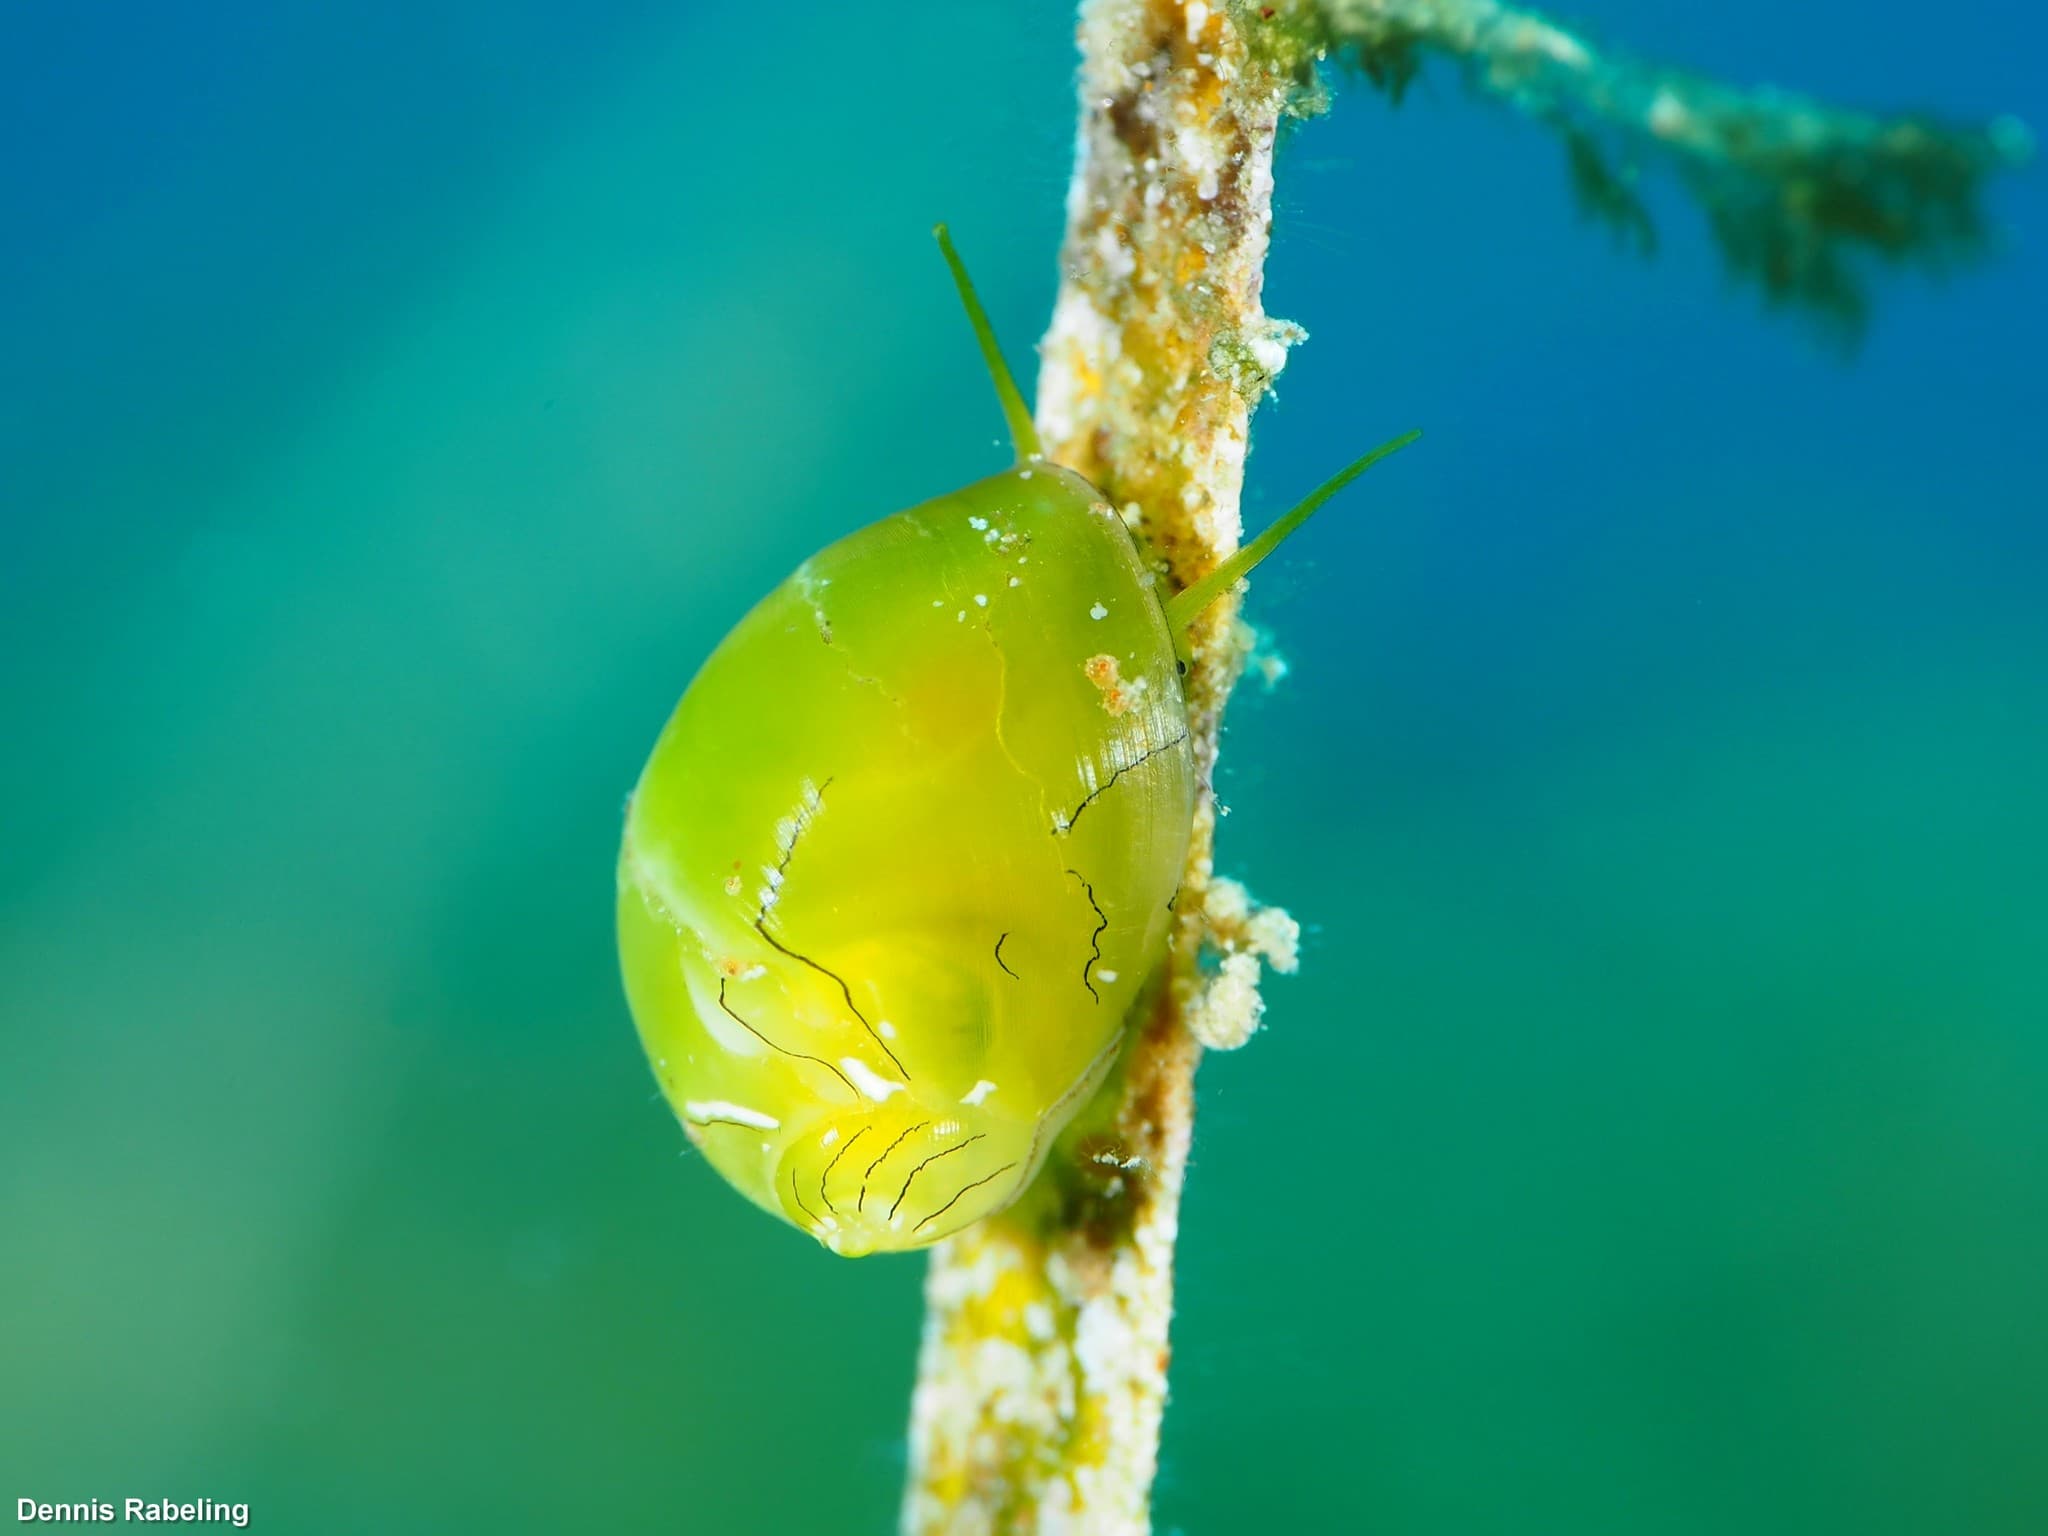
column 397, row 402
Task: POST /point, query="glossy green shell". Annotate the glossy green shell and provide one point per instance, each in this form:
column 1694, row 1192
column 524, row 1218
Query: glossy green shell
column 903, row 857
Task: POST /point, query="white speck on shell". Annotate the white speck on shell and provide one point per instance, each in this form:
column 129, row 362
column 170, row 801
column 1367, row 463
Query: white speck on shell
column 869, row 1082
column 702, row 1110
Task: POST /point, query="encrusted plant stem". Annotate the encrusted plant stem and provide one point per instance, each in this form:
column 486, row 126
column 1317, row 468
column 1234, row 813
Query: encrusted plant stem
column 1043, row 1371
column 1042, row 1376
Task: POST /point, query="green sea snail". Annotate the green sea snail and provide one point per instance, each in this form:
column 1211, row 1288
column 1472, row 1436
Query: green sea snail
column 904, row 854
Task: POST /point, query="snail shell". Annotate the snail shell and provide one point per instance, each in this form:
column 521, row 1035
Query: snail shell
column 903, row 855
